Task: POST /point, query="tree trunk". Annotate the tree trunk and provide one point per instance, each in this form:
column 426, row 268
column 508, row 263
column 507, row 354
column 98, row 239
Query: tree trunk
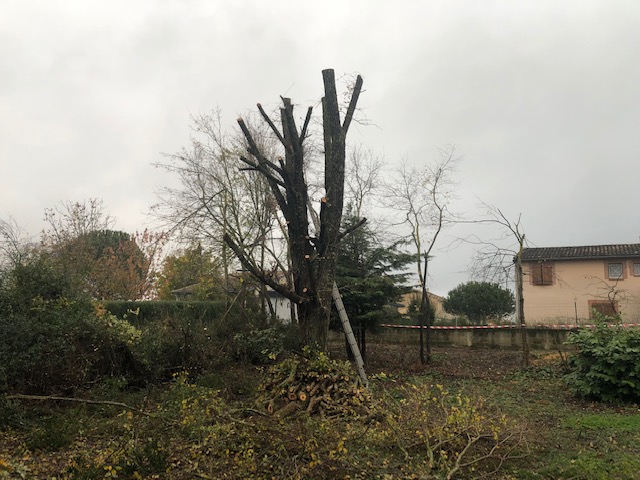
column 314, row 323
column 520, row 311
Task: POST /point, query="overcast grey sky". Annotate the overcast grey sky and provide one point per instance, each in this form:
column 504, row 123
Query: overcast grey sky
column 541, row 98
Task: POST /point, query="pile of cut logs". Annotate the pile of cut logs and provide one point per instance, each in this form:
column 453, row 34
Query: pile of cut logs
column 315, row 384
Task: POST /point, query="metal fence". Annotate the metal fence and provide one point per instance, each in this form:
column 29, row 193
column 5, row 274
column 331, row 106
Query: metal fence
column 575, row 313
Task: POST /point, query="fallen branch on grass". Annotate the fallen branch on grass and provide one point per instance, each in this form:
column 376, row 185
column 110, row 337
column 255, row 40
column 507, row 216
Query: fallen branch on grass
column 52, row 398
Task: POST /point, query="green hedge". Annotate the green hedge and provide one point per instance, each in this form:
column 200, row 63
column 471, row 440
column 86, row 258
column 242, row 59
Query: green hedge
column 143, row 312
column 55, row 340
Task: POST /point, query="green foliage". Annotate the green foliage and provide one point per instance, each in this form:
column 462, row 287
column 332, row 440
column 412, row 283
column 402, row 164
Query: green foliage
column 480, row 301
column 38, row 277
column 185, row 342
column 202, row 337
column 56, row 339
column 105, row 264
column 192, row 267
column 143, row 312
column 260, row 346
column 370, row 276
column 52, row 433
column 53, row 338
column 606, row 363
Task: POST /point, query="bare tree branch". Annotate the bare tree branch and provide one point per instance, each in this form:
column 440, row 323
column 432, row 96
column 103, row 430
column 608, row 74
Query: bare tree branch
column 352, row 228
column 267, row 119
column 260, row 274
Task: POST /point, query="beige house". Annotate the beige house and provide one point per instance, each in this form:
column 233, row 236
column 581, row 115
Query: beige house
column 565, row 285
column 436, row 301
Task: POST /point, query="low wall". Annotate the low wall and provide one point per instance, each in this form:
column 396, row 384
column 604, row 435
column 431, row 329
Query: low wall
column 539, row 338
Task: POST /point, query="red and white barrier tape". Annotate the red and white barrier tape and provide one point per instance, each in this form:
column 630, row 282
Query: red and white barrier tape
column 495, row 327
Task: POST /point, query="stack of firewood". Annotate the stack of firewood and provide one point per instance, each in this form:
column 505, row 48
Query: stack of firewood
column 315, row 384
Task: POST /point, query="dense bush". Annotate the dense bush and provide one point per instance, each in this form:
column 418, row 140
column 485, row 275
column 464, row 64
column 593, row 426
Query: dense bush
column 606, row 364
column 262, row 346
column 183, row 342
column 53, row 338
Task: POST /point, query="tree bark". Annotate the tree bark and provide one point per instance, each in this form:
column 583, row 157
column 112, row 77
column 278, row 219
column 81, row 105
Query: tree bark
column 520, row 309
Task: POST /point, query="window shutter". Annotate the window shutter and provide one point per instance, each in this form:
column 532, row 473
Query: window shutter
column 547, row 274
column 605, row 308
column 536, row 273
column 542, row 273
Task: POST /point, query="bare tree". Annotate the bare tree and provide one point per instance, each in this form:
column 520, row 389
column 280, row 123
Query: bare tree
column 14, row 243
column 362, row 180
column 215, row 197
column 421, row 198
column 312, row 253
column 69, row 220
column 496, row 259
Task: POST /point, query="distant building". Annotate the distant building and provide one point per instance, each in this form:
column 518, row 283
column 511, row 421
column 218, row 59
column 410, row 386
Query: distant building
column 567, row 284
column 436, row 301
column 185, row 293
column 280, row 304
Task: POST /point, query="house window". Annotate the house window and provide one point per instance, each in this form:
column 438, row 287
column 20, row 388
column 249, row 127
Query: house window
column 636, row 269
column 616, row 271
column 542, row 273
column 608, row 309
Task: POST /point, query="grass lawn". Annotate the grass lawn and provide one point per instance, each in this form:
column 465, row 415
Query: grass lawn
column 212, row 427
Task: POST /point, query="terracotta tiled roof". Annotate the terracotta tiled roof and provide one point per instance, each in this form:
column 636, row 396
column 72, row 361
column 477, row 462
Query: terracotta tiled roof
column 628, row 250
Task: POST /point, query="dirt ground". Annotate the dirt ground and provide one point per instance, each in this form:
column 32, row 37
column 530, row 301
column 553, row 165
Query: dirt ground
column 458, row 362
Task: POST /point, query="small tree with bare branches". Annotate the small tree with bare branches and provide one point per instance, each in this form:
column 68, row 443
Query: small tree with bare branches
column 496, row 259
column 421, row 199
column 14, row 243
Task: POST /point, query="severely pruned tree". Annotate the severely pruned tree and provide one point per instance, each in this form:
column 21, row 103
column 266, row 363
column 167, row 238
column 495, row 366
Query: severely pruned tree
column 312, row 251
